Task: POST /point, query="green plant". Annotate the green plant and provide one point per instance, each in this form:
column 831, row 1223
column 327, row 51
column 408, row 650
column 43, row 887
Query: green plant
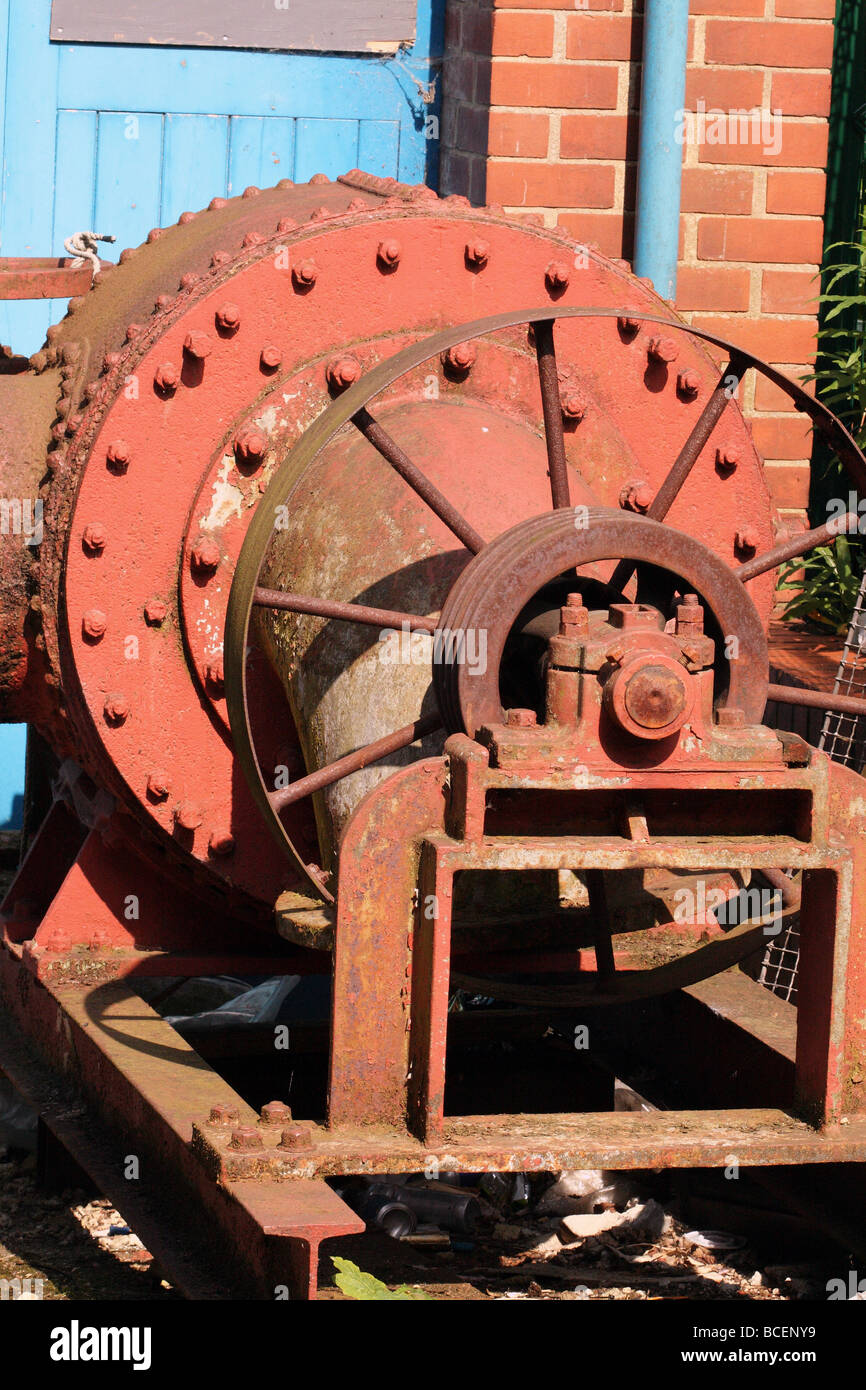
column 366, row 1288
column 827, row 583
column 840, row 374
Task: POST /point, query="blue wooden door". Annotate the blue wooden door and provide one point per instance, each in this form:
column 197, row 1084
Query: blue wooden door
column 123, row 138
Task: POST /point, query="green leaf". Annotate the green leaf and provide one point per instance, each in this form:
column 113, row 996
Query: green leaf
column 366, row 1288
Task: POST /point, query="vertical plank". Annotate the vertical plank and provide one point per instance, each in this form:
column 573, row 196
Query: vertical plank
column 261, row 151
column 195, row 153
column 325, row 147
column 379, row 147
column 74, row 186
column 128, row 174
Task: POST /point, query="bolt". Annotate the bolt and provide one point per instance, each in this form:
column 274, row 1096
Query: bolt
column 296, row 1137
column 250, row 446
column 615, row 654
column 275, row 1113
column 188, row 815
column 94, row 538
column 521, row 718
column 228, row 317
column 116, row 709
column 215, row 673
column 94, row 623
column 305, row 274
column 166, row 377
column 223, row 1115
column 198, row 345
column 730, row 717
column 117, row 455
column 158, row 785
column 628, row 324
column 389, row 253
column 663, row 350
column 155, row 611
column 270, row 358
column 245, row 1137
column 746, row 541
column 461, row 358
column 221, row 843
column 342, row 372
column 727, row 458
column 573, row 618
column 573, row 404
column 636, row 497
column 688, row 383
column 557, row 276
column 689, row 616
column 205, row 555
column 477, row 253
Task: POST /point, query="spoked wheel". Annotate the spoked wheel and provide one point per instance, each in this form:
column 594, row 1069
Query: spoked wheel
column 628, row 553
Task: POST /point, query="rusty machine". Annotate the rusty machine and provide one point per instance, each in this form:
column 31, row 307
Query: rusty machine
column 397, row 611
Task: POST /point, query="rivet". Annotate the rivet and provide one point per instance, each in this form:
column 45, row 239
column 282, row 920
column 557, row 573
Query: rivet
column 221, row 843
column 186, row 217
column 663, row 350
column 154, row 235
column 228, row 317
column 205, row 555
column 188, row 815
column 134, row 330
column 305, row 274
column 216, row 203
column 389, row 254
column 251, row 192
column 166, row 377
column 358, row 205
column 219, row 259
column 94, row 623
column 189, row 280
column 163, row 303
column 155, row 611
column 270, row 358
column 198, row 344
column 94, row 538
column 557, row 276
column 158, row 785
column 688, row 383
column 118, row 455
column 116, row 709
column 460, row 358
column 477, row 253
column 250, row 446
column 343, row 371
column 252, row 239
column 320, row 178
column 286, row 225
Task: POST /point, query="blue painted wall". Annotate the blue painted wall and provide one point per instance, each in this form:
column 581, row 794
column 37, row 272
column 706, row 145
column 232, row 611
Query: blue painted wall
column 122, row 139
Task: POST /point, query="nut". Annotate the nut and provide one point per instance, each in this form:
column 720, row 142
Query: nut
column 477, row 253
column 296, row 1137
column 221, row 843
column 166, row 377
column 94, row 623
column 251, row 446
column 116, row 709
column 118, row 455
column 270, row 358
column 158, row 785
column 746, row 541
column 246, row 1138
column 188, row 815
column 727, row 458
column 205, row 555
column 557, row 276
column 573, row 404
column 461, row 357
column 342, row 372
column 688, row 384
column 663, row 350
column 228, row 317
column 636, row 496
column 275, row 1113
column 223, row 1115
column 198, row 345
column 521, row 718
column 94, row 538
column 155, row 612
column 389, row 253
column 305, row 274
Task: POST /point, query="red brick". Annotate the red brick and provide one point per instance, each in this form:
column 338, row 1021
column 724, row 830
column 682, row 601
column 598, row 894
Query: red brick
column 553, row 84
column 801, row 143
column 712, row 287
column 597, row 38
column 801, row 93
column 789, row 292
column 551, row 185
column 777, row 240
column 768, row 44
column 472, row 129
column 717, row 190
column 722, row 90
column 805, row 9
column 768, row 396
column 782, row 436
column 788, row 484
column 516, row 133
column 775, row 340
column 609, row 231
column 750, row 8
column 522, row 35
column 556, row 5
column 598, row 137
column 796, row 193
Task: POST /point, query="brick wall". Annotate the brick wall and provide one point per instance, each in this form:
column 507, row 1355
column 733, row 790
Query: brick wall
column 540, row 113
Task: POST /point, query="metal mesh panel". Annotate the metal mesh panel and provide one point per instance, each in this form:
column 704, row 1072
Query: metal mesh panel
column 843, row 737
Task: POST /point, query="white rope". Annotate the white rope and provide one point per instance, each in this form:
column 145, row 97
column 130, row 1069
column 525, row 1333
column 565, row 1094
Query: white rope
column 82, row 245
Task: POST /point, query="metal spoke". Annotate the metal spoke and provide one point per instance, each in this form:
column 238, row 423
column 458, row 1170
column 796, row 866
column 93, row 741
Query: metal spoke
column 815, row 699
column 689, row 454
column 602, row 938
column 797, row 545
column 354, row 762
column 350, row 612
column 548, row 378
column 418, row 481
